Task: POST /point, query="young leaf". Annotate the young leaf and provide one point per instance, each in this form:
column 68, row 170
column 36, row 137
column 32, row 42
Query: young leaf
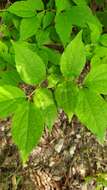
column 66, row 97
column 10, row 97
column 27, row 128
column 89, row 111
column 43, row 99
column 97, row 79
column 29, row 65
column 73, row 59
column 29, row 27
column 26, row 8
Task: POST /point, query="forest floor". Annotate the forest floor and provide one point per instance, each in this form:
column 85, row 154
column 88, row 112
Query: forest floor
column 68, row 158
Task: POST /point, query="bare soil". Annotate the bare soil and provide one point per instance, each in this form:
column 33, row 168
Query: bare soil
column 68, row 158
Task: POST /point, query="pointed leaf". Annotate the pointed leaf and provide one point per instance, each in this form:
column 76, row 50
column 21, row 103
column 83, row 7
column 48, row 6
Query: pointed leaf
column 29, row 65
column 27, row 128
column 73, row 59
column 10, row 97
column 26, row 8
column 97, row 79
column 66, row 97
column 92, row 111
column 43, row 99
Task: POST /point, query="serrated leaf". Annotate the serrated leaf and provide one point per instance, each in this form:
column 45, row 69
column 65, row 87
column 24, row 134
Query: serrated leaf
column 97, row 79
column 92, row 111
column 26, row 8
column 29, row 27
column 10, row 97
column 27, row 128
column 66, row 97
column 28, row 63
column 63, row 32
column 43, row 99
column 62, row 5
column 71, row 64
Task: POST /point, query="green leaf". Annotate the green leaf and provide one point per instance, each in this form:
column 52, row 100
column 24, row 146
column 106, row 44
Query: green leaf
column 63, row 32
column 66, row 97
column 53, row 55
column 100, row 51
column 62, row 5
column 82, row 16
column 80, row 2
column 97, row 79
column 3, row 48
column 29, row 27
column 92, row 111
column 43, row 37
column 27, row 128
column 53, row 79
column 26, row 8
column 43, row 99
column 48, row 18
column 9, row 78
column 29, row 65
column 103, row 39
column 10, row 97
column 73, row 59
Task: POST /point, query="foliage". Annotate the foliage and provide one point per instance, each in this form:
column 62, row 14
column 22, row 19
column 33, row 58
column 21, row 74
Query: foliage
column 46, row 46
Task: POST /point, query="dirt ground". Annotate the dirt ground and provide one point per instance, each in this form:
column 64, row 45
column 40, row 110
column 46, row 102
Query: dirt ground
column 68, row 158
